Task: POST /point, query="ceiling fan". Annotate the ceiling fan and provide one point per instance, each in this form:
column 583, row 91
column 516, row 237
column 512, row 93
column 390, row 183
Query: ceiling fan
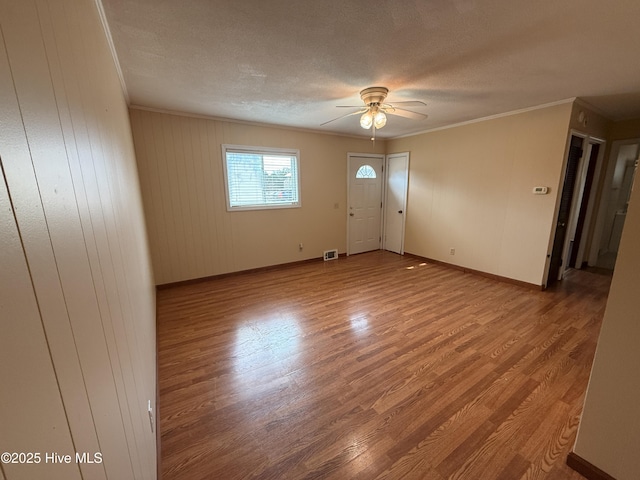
column 375, row 110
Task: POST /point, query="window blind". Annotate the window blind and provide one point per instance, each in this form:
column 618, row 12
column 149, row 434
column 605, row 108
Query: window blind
column 261, row 179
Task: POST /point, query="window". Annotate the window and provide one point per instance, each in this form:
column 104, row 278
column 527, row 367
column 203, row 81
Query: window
column 366, row 171
column 258, row 178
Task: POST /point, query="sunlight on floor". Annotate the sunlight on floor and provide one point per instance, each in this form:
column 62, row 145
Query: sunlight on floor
column 264, row 342
column 359, row 323
column 411, row 267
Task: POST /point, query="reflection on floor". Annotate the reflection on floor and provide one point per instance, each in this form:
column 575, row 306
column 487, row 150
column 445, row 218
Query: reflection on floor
column 374, row 366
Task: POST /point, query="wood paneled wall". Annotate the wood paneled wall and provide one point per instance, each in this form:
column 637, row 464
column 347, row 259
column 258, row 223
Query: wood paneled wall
column 77, row 303
column 191, row 233
column 609, row 434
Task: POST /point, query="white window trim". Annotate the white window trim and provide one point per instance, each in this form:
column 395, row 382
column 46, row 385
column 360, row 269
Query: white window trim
column 265, row 150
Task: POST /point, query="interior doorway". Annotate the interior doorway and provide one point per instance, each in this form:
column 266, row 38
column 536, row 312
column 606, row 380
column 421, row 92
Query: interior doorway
column 618, row 183
column 580, row 228
column 364, row 213
column 584, row 161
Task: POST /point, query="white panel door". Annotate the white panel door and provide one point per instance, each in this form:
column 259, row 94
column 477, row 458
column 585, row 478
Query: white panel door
column 396, row 202
column 365, row 203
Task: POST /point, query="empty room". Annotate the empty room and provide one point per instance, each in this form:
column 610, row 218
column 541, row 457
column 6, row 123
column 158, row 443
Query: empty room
column 347, row 240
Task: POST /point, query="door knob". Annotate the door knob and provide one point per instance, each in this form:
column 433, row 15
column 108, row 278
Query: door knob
column 399, row 211
column 351, row 214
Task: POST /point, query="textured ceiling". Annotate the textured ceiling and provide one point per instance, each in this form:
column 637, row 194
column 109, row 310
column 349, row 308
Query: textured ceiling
column 290, row 62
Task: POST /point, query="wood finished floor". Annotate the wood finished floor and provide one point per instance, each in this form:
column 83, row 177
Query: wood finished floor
column 374, row 366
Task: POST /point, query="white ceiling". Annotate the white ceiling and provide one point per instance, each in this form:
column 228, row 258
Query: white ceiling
column 290, row 62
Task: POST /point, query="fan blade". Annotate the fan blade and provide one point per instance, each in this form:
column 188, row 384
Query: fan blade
column 349, row 106
column 401, row 112
column 345, row 115
column 411, row 103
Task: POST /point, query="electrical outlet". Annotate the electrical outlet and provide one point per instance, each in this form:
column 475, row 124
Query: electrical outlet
column 452, row 251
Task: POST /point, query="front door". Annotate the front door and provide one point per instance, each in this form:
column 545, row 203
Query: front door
column 365, row 202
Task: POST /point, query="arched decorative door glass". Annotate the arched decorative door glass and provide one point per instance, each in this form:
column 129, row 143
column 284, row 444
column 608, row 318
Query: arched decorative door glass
column 366, row 171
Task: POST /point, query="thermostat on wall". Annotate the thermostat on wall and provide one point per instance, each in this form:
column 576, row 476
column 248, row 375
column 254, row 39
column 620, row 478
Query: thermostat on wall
column 540, row 190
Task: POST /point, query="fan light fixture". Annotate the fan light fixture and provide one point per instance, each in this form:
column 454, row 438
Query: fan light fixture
column 380, row 119
column 373, row 115
column 366, row 120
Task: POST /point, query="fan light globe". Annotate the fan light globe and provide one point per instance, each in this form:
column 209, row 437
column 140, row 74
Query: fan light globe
column 366, row 120
column 380, row 119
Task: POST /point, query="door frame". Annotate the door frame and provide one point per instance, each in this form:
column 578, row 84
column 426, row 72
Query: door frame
column 578, row 200
column 600, row 217
column 386, row 196
column 575, row 202
column 592, row 209
column 380, row 156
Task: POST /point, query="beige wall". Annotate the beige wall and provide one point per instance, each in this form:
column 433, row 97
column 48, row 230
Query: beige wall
column 77, row 304
column 609, row 433
column 594, row 124
column 625, row 129
column 470, row 188
column 190, row 231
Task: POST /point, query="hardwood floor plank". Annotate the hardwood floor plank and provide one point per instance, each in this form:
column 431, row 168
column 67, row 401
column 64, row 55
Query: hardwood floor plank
column 471, row 443
column 373, row 366
column 514, row 469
